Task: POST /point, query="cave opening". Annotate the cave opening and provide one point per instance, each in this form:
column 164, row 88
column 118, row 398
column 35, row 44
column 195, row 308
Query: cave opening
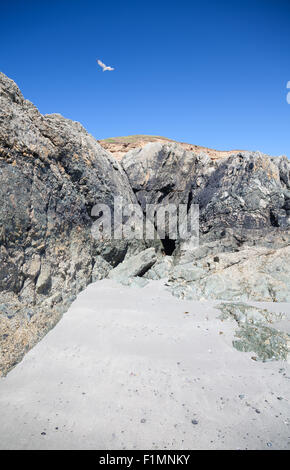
column 169, row 245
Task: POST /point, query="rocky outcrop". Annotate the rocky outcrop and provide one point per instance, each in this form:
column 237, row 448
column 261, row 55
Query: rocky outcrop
column 256, row 333
column 52, row 173
column 244, row 220
column 244, row 197
column 136, row 265
column 254, row 273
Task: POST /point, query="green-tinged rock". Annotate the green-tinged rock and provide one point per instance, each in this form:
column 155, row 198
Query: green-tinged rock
column 268, row 343
column 254, row 333
column 161, row 269
column 244, row 313
column 134, row 266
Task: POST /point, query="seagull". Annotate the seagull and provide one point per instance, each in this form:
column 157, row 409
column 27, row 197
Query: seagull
column 104, row 67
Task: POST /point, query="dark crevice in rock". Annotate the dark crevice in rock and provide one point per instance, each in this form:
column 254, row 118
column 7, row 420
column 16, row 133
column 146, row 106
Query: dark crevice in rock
column 274, row 219
column 169, row 245
column 189, row 200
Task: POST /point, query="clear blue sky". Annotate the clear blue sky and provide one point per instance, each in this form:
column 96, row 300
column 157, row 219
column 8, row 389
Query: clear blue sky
column 212, row 73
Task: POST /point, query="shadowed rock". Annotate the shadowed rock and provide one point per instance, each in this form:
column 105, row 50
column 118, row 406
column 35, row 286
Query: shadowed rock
column 52, row 172
column 134, row 266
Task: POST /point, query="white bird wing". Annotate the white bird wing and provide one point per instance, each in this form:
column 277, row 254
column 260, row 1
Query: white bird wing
column 104, row 66
column 101, row 64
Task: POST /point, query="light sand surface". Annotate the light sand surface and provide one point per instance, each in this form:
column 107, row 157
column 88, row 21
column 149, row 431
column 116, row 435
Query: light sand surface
column 127, row 368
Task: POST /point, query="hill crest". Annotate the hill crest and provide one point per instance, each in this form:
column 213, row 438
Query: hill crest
column 119, row 146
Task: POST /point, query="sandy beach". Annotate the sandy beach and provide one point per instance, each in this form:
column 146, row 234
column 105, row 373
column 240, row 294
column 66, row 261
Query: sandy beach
column 131, row 368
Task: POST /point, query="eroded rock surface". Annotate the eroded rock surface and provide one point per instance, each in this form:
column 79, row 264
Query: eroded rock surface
column 52, row 172
column 253, row 273
column 244, row 244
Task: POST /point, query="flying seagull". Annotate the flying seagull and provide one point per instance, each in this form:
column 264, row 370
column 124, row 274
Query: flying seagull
column 104, row 67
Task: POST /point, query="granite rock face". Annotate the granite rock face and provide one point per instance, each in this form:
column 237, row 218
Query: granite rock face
column 244, row 220
column 242, row 198
column 161, row 173
column 52, row 173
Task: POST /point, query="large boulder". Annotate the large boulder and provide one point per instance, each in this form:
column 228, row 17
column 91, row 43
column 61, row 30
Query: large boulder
column 134, row 266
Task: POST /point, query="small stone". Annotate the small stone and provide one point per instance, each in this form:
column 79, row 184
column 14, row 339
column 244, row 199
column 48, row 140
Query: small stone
column 269, row 444
column 241, row 396
column 43, row 433
column 194, row 421
column 257, row 411
column 143, row 420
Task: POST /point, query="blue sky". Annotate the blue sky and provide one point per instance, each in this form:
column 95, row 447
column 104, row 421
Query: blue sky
column 212, row 73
